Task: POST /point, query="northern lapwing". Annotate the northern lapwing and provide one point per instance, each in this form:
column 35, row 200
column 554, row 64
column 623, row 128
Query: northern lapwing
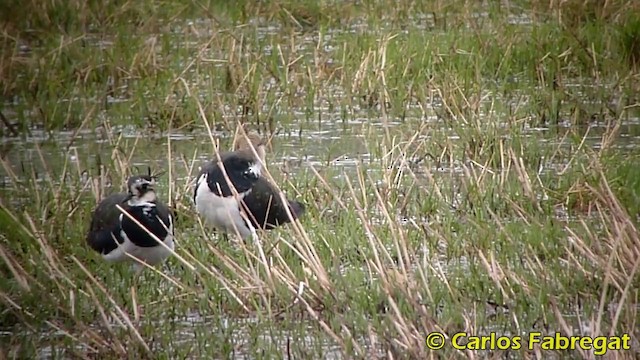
column 257, row 204
column 115, row 234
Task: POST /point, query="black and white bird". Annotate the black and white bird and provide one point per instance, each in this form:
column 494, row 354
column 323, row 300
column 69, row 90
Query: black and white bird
column 115, row 234
column 257, row 204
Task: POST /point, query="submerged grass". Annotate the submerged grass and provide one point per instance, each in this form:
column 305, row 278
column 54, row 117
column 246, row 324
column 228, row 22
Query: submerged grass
column 442, row 210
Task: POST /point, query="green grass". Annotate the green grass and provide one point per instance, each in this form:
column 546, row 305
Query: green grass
column 450, row 213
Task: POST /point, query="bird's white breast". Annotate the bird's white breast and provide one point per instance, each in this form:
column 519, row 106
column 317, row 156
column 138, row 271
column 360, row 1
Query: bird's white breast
column 221, row 212
column 150, row 255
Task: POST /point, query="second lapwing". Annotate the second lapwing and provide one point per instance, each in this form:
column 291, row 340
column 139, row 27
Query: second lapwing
column 256, row 203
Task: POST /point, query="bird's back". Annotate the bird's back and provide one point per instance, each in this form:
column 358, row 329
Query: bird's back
column 155, row 219
column 266, row 209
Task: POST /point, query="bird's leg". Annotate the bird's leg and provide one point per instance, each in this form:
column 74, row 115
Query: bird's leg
column 137, row 274
column 137, row 268
column 134, row 304
column 254, row 235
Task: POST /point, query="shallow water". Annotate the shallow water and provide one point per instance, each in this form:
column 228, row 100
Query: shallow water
column 327, row 145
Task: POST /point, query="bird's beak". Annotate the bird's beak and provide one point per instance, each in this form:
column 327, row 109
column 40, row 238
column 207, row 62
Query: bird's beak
column 253, row 172
column 148, row 185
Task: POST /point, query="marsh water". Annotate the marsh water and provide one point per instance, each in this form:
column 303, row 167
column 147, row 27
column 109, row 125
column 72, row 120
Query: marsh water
column 295, row 147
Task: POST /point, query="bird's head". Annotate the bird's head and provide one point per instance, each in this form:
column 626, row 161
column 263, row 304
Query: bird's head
column 240, row 166
column 141, row 186
column 243, row 171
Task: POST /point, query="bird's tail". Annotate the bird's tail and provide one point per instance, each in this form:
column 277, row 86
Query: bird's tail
column 297, row 208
